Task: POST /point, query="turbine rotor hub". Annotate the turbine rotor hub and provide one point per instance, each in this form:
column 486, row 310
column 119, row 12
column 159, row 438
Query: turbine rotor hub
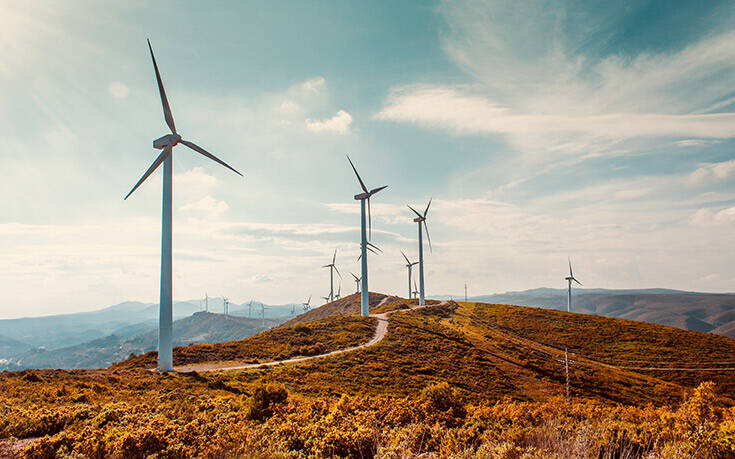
column 165, row 141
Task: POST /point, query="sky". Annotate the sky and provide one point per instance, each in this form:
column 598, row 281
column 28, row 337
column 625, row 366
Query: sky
column 599, row 131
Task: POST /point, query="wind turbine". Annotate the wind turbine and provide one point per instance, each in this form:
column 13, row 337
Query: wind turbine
column 410, row 266
column 357, row 283
column 421, row 218
column 569, row 280
column 250, row 309
column 326, row 299
column 363, row 198
column 306, row 305
column 226, row 305
column 415, row 290
column 166, row 144
column 332, row 267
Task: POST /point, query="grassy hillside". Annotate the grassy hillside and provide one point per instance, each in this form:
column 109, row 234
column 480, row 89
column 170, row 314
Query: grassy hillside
column 305, row 339
column 703, row 312
column 462, row 379
column 348, row 305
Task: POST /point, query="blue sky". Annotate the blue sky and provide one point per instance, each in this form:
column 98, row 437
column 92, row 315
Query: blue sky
column 543, row 130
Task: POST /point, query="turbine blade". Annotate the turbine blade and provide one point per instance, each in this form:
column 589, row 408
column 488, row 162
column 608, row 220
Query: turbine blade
column 164, row 154
column 209, row 155
column 428, row 238
column 375, row 246
column 416, row 212
column 372, row 192
column 353, row 275
column 359, row 257
column 575, row 280
column 340, row 275
column 309, row 300
column 334, row 258
column 405, row 257
column 427, row 207
column 362, row 185
column 164, row 100
column 373, row 251
column 570, row 267
column 326, row 266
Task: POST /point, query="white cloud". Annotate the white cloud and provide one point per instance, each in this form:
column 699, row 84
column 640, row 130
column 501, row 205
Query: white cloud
column 339, row 123
column 455, row 110
column 532, row 85
column 118, row 90
column 208, row 206
column 710, row 174
column 313, row 85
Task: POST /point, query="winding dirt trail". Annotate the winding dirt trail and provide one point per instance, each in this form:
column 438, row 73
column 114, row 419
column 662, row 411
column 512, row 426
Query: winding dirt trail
column 381, row 330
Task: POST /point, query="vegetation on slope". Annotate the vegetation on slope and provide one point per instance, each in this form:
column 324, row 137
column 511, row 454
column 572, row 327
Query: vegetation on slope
column 137, row 413
column 313, row 338
column 347, row 305
column 620, row 343
column 459, row 380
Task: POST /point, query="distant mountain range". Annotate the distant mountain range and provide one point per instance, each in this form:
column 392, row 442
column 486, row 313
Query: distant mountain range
column 36, row 340
column 702, row 312
column 202, row 327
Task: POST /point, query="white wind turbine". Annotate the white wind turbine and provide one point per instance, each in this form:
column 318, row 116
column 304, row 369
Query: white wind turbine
column 357, row 283
column 167, row 144
column 421, row 218
column 569, row 280
column 326, row 299
column 415, row 290
column 306, row 305
column 332, row 267
column 365, row 233
column 410, row 266
column 339, row 291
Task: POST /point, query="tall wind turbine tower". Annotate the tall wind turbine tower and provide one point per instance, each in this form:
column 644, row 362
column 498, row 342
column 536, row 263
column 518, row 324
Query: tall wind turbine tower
column 357, row 283
column 166, row 144
column 365, row 234
column 421, row 218
column 569, row 280
column 410, row 266
column 332, row 267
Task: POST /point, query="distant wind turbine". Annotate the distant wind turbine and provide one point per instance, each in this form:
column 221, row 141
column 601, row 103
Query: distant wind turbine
column 421, row 218
column 250, row 309
column 226, row 305
column 365, row 233
column 339, row 290
column 410, row 266
column 306, row 305
column 326, row 299
column 332, row 267
column 415, row 290
column 357, row 283
column 166, row 144
column 569, row 280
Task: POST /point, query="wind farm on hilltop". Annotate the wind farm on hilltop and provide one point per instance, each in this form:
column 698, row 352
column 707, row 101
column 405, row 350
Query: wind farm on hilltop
column 604, row 136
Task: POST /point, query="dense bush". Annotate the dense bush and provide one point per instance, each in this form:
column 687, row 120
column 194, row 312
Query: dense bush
column 265, row 398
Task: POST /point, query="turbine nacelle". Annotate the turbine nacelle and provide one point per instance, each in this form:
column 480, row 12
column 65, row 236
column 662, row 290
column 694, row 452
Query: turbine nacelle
column 165, row 141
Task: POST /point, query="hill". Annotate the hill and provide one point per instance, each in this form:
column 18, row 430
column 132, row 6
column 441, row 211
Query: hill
column 201, row 327
column 703, row 312
column 462, row 379
column 348, row 305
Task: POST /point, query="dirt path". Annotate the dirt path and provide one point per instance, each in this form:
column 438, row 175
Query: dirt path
column 380, row 331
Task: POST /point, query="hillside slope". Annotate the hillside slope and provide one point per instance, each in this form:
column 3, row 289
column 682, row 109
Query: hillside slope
column 703, row 312
column 450, row 379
